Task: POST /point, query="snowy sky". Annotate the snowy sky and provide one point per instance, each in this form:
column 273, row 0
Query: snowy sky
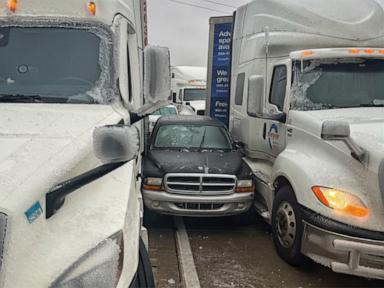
column 183, row 27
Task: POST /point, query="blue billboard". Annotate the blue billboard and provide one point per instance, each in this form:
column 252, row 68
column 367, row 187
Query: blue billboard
column 221, row 72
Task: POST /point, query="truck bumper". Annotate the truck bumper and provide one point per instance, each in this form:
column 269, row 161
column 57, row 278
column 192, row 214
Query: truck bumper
column 197, row 205
column 343, row 252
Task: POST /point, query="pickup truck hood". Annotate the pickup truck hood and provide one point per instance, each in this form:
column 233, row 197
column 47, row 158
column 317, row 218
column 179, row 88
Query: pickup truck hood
column 367, row 125
column 168, row 161
column 42, row 143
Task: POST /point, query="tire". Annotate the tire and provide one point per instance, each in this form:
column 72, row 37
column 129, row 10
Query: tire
column 144, row 276
column 287, row 227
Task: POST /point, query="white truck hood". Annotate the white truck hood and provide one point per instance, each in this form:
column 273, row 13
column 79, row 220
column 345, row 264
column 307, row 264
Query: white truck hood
column 367, row 125
column 39, row 144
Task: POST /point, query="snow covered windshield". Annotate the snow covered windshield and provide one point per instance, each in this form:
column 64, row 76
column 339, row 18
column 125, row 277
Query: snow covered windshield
column 192, row 137
column 337, row 83
column 55, row 65
column 195, row 94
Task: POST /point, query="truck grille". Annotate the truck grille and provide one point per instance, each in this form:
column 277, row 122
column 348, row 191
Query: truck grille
column 200, row 184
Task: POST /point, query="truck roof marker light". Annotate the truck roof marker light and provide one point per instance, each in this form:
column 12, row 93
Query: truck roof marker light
column 307, row 53
column 369, row 51
column 340, row 201
column 92, row 8
column 12, row 5
column 354, row 51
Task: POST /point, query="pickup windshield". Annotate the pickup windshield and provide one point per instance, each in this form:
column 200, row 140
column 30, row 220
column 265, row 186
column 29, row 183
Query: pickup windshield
column 55, row 65
column 337, row 83
column 193, row 94
column 192, row 137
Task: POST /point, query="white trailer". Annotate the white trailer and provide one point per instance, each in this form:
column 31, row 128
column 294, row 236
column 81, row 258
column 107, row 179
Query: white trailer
column 71, row 90
column 307, row 102
column 188, row 85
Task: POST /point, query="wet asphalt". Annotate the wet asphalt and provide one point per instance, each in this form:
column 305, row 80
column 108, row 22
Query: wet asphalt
column 232, row 252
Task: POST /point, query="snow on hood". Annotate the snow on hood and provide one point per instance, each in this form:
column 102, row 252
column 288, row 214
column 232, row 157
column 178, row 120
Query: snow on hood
column 171, row 161
column 367, row 125
column 41, row 143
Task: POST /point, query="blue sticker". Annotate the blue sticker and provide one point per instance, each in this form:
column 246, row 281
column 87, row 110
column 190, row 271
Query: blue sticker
column 34, row 212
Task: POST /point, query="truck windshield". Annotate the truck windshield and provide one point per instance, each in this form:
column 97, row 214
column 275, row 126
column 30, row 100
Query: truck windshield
column 195, row 94
column 192, row 137
column 55, row 65
column 337, row 83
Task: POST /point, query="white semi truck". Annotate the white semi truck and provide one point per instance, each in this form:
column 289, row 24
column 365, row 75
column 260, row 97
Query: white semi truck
column 71, row 89
column 188, row 85
column 307, row 102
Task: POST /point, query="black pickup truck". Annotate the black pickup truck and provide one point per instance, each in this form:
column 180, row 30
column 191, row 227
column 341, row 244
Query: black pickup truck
column 193, row 168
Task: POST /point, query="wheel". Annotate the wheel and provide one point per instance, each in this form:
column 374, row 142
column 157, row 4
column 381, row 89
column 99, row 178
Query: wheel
column 287, row 227
column 144, row 276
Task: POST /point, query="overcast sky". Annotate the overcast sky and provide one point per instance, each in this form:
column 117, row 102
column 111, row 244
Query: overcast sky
column 184, row 28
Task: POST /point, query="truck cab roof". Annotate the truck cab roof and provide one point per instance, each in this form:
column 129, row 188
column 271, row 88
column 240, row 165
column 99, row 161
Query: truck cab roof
column 100, row 10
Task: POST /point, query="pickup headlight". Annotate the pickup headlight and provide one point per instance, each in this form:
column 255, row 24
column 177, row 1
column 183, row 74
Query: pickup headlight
column 153, row 184
column 100, row 267
column 341, row 201
column 244, row 186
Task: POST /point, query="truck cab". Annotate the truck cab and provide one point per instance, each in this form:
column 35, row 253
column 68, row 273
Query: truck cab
column 189, row 88
column 307, row 103
column 71, row 85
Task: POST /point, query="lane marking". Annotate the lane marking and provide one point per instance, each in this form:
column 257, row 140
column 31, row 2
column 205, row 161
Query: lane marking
column 185, row 256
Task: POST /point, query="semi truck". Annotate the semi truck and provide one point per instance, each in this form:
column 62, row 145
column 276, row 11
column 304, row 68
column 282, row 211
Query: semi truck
column 307, row 105
column 188, row 85
column 71, row 97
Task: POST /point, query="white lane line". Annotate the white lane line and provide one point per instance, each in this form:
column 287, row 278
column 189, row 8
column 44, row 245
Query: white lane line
column 185, row 256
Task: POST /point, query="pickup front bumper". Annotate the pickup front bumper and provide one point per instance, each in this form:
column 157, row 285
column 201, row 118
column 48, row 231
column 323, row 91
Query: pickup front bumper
column 197, row 205
column 343, row 248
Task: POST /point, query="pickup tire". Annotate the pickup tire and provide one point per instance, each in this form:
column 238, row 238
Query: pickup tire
column 144, row 276
column 287, row 227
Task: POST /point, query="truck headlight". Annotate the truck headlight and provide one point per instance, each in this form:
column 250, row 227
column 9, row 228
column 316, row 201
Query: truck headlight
column 244, row 186
column 153, row 184
column 100, row 267
column 341, row 201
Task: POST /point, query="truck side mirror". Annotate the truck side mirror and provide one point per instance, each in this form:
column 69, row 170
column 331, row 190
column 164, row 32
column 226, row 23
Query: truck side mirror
column 188, row 103
column 116, row 143
column 335, row 130
column 340, row 130
column 255, row 104
column 157, row 74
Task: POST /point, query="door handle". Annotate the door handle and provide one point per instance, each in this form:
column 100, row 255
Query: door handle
column 265, row 131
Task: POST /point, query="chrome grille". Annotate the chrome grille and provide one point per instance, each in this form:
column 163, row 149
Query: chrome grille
column 200, row 184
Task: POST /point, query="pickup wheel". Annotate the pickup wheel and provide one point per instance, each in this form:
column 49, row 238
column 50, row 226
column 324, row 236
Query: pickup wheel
column 287, row 227
column 144, row 276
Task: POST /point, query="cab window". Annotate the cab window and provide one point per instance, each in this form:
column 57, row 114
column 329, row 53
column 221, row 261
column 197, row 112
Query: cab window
column 278, row 86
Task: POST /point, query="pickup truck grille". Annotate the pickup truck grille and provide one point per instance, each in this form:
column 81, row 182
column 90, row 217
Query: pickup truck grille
column 200, row 184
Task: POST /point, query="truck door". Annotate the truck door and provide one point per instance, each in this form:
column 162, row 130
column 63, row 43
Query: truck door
column 274, row 132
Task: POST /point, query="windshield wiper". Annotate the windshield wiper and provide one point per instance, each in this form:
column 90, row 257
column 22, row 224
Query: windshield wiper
column 19, row 98
column 371, row 105
column 202, row 139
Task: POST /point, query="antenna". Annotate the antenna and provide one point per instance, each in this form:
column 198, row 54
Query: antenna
column 267, row 42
